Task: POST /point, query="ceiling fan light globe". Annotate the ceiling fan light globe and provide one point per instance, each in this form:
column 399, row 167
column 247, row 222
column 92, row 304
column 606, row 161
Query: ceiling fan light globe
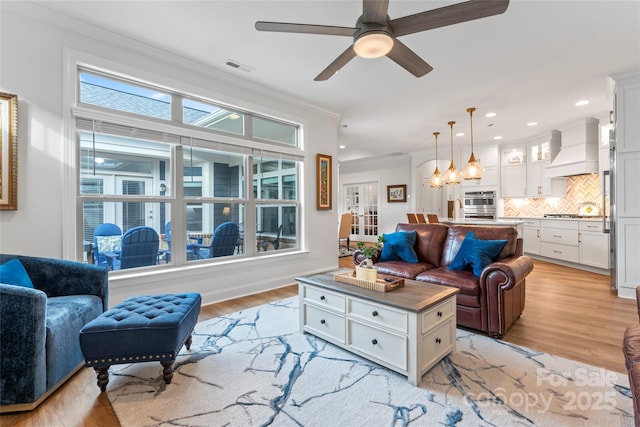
column 373, row 45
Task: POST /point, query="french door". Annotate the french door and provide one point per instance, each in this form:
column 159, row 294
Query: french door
column 362, row 201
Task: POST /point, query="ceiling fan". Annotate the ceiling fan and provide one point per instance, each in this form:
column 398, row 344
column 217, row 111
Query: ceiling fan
column 375, row 34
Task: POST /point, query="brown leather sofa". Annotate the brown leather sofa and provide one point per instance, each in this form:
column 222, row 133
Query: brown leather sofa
column 631, row 349
column 489, row 303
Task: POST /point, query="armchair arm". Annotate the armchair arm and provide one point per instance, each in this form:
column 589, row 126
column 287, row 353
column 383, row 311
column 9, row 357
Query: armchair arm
column 57, row 277
column 503, row 285
column 23, row 337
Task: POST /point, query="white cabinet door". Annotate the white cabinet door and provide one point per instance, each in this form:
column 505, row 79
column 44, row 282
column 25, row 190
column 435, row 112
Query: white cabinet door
column 531, row 240
column 514, row 181
column 594, row 249
column 539, row 184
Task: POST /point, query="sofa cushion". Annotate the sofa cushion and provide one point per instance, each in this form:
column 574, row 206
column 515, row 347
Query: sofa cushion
column 398, row 246
column 403, row 269
column 457, row 234
column 13, row 273
column 465, row 281
column 429, row 241
column 476, row 254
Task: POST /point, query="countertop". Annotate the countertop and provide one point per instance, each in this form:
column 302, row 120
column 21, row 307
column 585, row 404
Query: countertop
column 500, row 221
column 522, row 218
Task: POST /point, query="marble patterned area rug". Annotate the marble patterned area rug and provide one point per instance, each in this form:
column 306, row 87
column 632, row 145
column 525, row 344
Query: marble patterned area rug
column 254, row 368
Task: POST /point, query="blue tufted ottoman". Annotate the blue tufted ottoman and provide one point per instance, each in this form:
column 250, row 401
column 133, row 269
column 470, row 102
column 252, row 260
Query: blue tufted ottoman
column 140, row 329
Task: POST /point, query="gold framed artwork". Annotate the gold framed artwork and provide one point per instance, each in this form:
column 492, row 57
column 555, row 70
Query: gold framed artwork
column 8, row 151
column 323, row 182
column 396, row 193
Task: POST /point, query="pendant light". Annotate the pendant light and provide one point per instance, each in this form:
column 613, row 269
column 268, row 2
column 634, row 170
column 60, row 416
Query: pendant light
column 473, row 169
column 452, row 176
column 436, row 178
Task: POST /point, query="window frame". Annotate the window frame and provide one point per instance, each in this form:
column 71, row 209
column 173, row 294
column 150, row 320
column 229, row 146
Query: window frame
column 206, row 138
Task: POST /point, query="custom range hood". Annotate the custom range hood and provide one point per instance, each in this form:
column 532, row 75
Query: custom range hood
column 578, row 150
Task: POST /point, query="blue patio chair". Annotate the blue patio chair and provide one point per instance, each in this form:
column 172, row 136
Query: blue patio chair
column 223, row 242
column 106, row 238
column 139, row 248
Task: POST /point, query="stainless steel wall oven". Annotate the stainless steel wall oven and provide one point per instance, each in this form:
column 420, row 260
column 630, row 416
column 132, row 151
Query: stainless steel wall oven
column 480, row 204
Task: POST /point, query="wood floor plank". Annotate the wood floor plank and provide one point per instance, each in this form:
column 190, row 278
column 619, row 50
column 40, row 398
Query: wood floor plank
column 569, row 313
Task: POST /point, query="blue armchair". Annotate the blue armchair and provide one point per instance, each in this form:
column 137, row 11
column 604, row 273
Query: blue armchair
column 39, row 344
column 223, row 242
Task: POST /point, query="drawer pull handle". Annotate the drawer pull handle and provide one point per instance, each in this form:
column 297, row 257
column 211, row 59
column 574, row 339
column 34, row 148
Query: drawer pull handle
column 439, row 314
column 322, row 298
column 438, row 340
column 374, row 341
column 559, row 237
column 322, row 321
column 557, row 252
column 374, row 314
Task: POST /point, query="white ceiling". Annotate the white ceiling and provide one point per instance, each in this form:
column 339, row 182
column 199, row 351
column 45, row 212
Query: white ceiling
column 531, row 63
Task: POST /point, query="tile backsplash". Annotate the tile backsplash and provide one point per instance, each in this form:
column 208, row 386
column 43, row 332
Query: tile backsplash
column 580, row 189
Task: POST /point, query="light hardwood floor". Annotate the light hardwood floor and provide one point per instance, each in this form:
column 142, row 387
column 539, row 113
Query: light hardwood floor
column 569, row 313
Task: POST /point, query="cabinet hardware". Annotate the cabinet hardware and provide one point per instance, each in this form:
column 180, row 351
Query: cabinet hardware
column 557, row 252
column 374, row 341
column 439, row 314
column 322, row 321
column 438, row 341
column 558, row 236
column 374, row 314
column 322, row 298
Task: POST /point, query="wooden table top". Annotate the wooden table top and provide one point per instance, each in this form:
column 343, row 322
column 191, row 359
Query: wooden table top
column 413, row 296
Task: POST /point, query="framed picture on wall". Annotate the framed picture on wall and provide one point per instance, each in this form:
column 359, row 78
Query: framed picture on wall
column 323, row 182
column 396, row 193
column 8, row 151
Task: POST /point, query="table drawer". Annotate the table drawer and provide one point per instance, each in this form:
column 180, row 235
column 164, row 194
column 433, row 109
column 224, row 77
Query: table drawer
column 384, row 346
column 324, row 298
column 435, row 315
column 324, row 322
column 374, row 313
column 437, row 343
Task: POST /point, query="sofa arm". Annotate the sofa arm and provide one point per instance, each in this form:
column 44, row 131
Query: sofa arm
column 23, row 337
column 503, row 284
column 58, row 277
column 358, row 257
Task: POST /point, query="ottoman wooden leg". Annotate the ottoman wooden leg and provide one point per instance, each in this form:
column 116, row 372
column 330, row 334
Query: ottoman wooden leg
column 103, row 377
column 167, row 371
column 188, row 342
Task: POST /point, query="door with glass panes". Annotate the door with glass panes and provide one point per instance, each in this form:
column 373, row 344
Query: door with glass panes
column 362, row 201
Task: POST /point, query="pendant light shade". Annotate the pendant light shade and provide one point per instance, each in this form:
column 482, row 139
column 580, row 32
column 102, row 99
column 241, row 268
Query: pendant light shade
column 452, row 176
column 473, row 169
column 436, row 179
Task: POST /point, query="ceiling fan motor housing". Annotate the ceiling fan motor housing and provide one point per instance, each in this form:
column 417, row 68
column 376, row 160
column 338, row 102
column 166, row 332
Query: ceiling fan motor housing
column 372, row 40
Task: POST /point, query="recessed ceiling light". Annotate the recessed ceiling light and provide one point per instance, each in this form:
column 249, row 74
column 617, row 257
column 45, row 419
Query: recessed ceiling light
column 490, row 115
column 497, row 137
column 345, row 126
column 460, row 134
column 342, row 146
column 532, row 124
column 582, row 103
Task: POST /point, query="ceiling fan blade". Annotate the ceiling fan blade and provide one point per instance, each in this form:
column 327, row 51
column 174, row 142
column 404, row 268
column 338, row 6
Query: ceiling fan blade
column 284, row 27
column 448, row 15
column 407, row 59
column 375, row 11
column 335, row 66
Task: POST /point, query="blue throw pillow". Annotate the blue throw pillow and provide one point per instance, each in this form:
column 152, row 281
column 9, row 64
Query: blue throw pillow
column 13, row 273
column 476, row 253
column 398, row 246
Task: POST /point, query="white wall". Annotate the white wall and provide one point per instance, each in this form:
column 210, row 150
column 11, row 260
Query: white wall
column 32, row 65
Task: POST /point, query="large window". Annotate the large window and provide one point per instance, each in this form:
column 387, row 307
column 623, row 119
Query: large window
column 129, row 173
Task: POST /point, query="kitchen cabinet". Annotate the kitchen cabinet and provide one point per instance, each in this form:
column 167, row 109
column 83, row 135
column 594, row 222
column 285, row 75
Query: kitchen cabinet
column 593, row 244
column 488, row 158
column 539, row 184
column 513, row 176
column 559, row 240
column 542, row 149
column 531, row 236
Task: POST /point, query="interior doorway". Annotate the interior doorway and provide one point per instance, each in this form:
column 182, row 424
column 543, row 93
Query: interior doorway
column 362, row 201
